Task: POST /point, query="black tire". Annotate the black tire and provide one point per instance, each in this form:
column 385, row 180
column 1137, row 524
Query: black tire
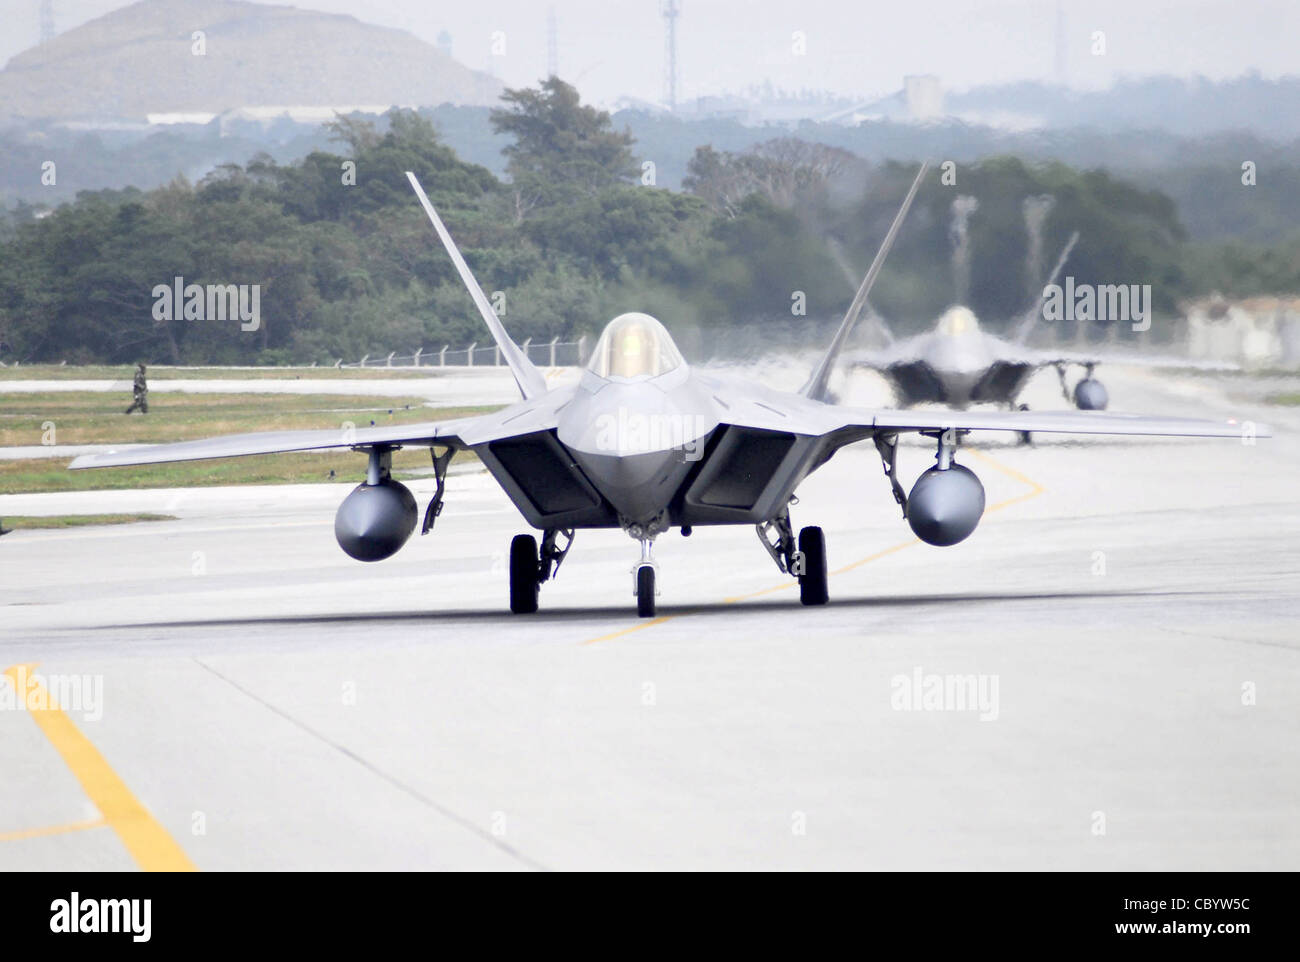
column 523, row 574
column 812, row 583
column 1025, row 436
column 645, row 592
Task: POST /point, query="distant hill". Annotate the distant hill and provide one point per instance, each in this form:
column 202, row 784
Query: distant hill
column 138, row 60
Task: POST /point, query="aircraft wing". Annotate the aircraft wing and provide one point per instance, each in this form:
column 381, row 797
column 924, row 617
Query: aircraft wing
column 1135, row 360
column 1063, row 422
column 271, row 442
column 765, row 409
column 525, row 417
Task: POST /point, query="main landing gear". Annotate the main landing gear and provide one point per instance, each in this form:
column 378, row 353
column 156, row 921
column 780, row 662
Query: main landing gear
column 529, row 566
column 1025, row 436
column 807, row 561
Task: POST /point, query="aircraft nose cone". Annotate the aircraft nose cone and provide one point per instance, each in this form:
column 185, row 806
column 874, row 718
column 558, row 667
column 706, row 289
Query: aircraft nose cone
column 637, row 442
column 639, row 486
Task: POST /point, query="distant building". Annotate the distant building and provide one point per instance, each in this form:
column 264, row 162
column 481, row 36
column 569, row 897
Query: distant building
column 168, row 119
column 1253, row 332
column 757, row 106
column 923, row 95
column 301, row 114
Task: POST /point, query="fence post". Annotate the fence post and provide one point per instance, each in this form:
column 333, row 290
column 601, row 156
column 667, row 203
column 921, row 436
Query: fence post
column 496, row 356
column 554, row 341
column 389, row 362
column 469, row 354
column 582, row 349
column 418, row 352
column 527, row 341
column 362, row 362
column 442, row 356
column 338, row 365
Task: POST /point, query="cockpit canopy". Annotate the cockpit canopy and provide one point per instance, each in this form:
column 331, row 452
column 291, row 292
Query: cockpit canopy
column 958, row 321
column 634, row 346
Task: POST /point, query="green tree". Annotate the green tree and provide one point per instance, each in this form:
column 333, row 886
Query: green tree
column 561, row 147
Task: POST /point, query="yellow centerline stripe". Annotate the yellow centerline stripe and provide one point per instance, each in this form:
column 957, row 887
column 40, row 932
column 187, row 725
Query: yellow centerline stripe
column 52, row 830
column 153, row 849
column 627, row 631
column 1036, row 490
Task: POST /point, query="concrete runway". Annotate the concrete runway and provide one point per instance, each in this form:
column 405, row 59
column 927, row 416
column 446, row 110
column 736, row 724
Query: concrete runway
column 268, row 703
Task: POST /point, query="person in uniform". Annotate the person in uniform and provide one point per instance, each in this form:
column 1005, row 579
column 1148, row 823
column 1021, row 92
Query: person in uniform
column 140, row 392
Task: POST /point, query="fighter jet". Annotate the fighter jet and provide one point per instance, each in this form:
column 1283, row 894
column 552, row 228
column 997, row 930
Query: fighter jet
column 958, row 364
column 646, row 443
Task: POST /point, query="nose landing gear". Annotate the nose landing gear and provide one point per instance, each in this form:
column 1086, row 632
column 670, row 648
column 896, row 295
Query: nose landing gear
column 643, row 585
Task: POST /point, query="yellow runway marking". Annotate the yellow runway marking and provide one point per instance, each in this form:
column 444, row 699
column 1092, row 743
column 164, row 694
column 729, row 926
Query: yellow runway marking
column 627, row 631
column 786, row 586
column 879, row 554
column 52, row 830
column 153, row 849
column 1035, row 490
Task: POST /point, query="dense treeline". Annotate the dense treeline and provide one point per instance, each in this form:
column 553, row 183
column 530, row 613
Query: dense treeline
column 347, row 265
column 1201, row 173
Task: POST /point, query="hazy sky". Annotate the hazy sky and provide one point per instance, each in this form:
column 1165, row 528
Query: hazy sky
column 615, row 47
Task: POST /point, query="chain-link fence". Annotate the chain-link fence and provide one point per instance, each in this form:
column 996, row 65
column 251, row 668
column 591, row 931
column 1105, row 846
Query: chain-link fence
column 552, row 353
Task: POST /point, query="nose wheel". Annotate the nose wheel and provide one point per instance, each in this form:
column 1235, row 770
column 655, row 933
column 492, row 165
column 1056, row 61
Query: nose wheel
column 643, row 587
column 645, row 591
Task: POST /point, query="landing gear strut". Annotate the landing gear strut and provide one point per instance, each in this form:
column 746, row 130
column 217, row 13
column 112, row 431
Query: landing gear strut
column 783, row 549
column 1025, row 436
column 530, row 567
column 643, row 572
column 807, row 562
column 887, row 445
column 644, row 588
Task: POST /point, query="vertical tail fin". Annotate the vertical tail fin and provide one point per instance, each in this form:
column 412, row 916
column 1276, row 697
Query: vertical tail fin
column 817, row 383
column 530, row 380
column 1028, row 319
